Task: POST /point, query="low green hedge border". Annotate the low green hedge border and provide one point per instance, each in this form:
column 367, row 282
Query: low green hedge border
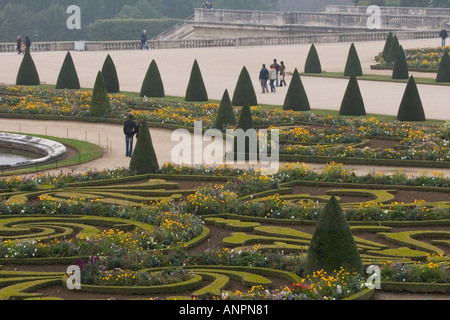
column 415, row 287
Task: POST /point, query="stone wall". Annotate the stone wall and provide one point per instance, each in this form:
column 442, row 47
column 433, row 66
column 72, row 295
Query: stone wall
column 331, row 19
column 412, row 11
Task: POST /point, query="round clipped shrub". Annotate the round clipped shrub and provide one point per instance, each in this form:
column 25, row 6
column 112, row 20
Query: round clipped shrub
column 196, row 90
column 411, row 108
column 110, row 75
column 443, row 74
column 68, row 77
column 100, row 105
column 152, row 86
column 296, row 98
column 244, row 91
column 27, row 75
column 144, row 158
column 352, row 103
column 353, row 64
column 332, row 245
column 225, row 114
column 312, row 64
column 387, row 45
column 401, row 70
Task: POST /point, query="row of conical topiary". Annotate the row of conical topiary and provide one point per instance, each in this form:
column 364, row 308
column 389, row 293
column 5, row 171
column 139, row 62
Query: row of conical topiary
column 296, row 99
column 394, row 55
column 352, row 65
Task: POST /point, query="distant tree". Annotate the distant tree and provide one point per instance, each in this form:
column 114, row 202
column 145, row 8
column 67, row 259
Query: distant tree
column 225, row 113
column 296, row 98
column 312, row 64
column 244, row 91
column 443, row 74
column 411, row 108
column 353, row 64
column 100, row 105
column 352, row 103
column 110, row 75
column 68, row 77
column 144, row 159
column 196, row 90
column 152, row 86
column 27, row 75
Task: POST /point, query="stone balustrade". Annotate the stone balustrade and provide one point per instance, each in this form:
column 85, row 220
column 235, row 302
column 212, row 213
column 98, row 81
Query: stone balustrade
column 335, row 19
column 227, row 42
column 413, row 11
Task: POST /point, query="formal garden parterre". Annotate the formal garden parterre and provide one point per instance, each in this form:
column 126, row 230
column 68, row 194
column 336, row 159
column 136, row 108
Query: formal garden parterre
column 182, row 232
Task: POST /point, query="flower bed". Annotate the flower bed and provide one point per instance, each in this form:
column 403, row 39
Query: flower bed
column 303, row 136
column 422, row 59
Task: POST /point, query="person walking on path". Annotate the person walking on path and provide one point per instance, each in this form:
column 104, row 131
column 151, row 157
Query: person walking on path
column 443, row 34
column 19, row 44
column 282, row 74
column 263, row 77
column 27, row 43
column 129, row 129
column 277, row 68
column 272, row 77
column 144, row 41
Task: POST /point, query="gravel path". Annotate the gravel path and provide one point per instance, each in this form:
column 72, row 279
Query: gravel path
column 220, row 69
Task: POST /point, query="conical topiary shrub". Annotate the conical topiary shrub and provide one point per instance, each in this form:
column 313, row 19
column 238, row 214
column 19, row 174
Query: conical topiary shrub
column 110, row 75
column 353, row 64
column 225, row 114
column 27, row 75
column 392, row 54
column 332, row 245
column 443, row 74
column 296, row 98
column 100, row 105
column 401, row 70
column 352, row 103
column 152, row 86
column 387, row 45
column 244, row 91
column 144, row 158
column 68, row 77
column 245, row 119
column 249, row 142
column 196, row 90
column 312, row 64
column 411, row 108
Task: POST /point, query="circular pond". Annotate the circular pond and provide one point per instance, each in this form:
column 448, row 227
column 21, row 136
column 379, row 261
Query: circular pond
column 18, row 150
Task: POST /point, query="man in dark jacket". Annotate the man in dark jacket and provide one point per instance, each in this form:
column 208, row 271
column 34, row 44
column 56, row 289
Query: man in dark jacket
column 27, row 43
column 144, row 42
column 263, row 77
column 129, row 129
column 443, row 34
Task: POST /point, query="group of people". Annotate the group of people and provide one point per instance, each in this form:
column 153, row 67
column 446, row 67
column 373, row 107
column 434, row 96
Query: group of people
column 207, row 5
column 130, row 129
column 23, row 45
column 275, row 75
